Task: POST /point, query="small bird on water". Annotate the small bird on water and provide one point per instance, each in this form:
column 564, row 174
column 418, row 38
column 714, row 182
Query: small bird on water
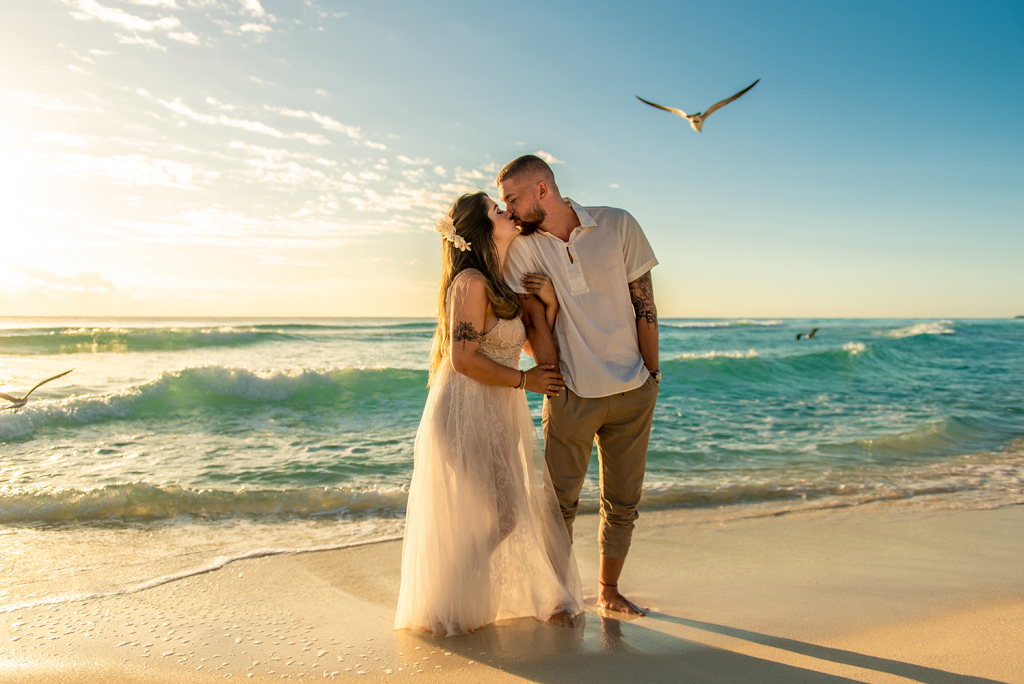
column 697, row 120
column 19, row 402
column 813, row 334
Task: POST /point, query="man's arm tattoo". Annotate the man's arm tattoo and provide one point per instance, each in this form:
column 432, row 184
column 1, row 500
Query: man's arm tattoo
column 465, row 332
column 641, row 292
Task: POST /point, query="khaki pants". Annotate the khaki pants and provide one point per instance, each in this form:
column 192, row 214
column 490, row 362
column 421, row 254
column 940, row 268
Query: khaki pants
column 622, row 425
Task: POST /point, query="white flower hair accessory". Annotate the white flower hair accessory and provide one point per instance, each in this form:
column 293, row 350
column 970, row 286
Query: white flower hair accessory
column 447, row 230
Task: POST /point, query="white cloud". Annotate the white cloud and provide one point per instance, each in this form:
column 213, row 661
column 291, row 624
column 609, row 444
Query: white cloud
column 156, row 3
column 262, row 82
column 376, row 145
column 45, row 101
column 255, row 7
column 82, row 281
column 548, row 157
column 461, row 175
column 312, row 138
column 287, row 173
column 69, row 139
column 90, row 9
column 100, row 52
column 371, row 176
column 137, row 169
column 439, row 170
column 415, row 160
column 218, row 104
column 322, row 119
column 188, row 37
column 75, row 67
column 256, row 28
column 180, row 108
column 138, row 40
column 321, row 91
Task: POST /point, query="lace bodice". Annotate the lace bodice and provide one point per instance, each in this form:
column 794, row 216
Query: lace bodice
column 504, row 341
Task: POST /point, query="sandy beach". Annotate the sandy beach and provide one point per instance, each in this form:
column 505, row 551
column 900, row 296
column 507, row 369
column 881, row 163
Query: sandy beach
column 877, row 593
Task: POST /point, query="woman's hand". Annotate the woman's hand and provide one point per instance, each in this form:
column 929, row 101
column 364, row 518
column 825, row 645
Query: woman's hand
column 540, row 285
column 545, row 380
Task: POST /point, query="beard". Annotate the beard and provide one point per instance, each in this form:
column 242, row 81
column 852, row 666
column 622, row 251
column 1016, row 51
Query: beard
column 531, row 220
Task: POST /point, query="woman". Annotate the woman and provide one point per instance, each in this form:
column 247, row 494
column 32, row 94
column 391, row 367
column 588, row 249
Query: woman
column 484, row 538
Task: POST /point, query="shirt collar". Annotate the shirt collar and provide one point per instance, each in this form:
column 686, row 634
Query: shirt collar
column 586, row 220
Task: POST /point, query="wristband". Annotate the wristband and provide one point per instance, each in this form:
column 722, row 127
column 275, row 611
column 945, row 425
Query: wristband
column 522, row 380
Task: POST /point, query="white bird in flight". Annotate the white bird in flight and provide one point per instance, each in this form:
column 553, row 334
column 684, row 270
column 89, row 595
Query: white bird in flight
column 19, row 402
column 697, row 120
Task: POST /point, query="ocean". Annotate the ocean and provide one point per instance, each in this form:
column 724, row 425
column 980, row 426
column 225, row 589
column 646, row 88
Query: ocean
column 178, row 445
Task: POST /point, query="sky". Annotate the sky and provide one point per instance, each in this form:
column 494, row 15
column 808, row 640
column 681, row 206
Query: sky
column 289, row 158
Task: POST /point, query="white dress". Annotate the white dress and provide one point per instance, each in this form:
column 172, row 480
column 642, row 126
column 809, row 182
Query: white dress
column 484, row 536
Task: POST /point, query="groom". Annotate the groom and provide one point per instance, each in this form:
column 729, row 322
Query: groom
column 606, row 346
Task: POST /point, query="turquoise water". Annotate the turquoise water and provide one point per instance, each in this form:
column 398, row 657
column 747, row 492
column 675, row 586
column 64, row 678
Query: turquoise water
column 176, row 444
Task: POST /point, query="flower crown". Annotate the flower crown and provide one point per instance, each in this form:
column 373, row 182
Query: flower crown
column 447, row 230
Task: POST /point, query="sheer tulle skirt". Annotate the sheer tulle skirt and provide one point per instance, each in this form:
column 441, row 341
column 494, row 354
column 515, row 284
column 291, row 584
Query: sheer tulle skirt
column 484, row 538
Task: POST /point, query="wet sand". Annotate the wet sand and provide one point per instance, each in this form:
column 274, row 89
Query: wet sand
column 877, row 593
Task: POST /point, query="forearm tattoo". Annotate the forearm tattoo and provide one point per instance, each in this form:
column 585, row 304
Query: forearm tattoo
column 465, row 332
column 641, row 293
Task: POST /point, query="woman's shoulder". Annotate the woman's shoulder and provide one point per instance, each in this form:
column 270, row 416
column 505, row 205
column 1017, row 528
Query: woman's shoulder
column 468, row 281
column 469, row 272
column 468, row 276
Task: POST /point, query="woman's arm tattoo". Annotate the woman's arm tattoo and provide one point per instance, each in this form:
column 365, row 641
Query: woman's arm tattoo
column 465, row 332
column 641, row 292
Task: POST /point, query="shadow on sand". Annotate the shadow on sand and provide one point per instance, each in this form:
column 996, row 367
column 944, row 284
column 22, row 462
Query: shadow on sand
column 602, row 649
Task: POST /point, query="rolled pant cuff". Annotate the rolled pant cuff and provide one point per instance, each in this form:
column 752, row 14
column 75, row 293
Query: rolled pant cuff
column 609, row 551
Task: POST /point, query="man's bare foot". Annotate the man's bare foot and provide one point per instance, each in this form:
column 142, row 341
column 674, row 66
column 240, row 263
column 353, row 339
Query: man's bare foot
column 609, row 598
column 561, row 620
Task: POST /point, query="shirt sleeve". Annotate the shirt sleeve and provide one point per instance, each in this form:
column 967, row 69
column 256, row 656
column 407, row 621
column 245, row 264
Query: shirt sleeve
column 636, row 250
column 518, row 261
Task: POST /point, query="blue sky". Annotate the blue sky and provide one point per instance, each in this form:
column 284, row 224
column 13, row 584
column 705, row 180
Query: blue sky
column 261, row 158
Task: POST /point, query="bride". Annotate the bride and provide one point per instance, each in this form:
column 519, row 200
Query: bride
column 484, row 537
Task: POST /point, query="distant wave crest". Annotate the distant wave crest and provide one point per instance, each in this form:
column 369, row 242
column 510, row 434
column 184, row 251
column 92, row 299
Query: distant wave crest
column 119, row 340
column 930, row 328
column 208, row 388
column 713, row 354
column 743, row 322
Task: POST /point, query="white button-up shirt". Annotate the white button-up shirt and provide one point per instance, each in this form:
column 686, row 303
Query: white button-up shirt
column 598, row 349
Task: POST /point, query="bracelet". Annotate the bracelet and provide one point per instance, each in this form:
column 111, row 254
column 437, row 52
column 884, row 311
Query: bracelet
column 522, row 380
column 605, row 584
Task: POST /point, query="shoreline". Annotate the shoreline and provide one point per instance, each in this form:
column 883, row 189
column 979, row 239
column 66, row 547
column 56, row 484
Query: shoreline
column 874, row 593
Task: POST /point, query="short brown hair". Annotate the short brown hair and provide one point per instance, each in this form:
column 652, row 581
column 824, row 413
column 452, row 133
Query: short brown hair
column 528, row 165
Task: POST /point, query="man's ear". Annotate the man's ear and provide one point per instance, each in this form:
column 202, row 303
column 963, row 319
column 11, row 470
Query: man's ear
column 542, row 190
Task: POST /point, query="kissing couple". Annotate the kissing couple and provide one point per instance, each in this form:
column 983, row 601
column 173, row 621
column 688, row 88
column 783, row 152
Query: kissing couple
column 490, row 515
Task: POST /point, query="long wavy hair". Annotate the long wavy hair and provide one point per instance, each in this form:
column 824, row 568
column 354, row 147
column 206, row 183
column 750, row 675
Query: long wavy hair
column 469, row 215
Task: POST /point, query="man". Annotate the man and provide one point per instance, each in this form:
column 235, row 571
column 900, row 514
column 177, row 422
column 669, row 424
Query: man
column 607, row 349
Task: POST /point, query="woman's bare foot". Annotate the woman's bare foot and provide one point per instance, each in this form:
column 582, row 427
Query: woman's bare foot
column 609, row 598
column 561, row 620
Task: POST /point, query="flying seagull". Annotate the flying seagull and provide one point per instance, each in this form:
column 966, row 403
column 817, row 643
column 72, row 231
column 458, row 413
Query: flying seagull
column 812, row 335
column 17, row 403
column 697, row 120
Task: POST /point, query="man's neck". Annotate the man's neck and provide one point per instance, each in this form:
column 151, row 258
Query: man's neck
column 561, row 221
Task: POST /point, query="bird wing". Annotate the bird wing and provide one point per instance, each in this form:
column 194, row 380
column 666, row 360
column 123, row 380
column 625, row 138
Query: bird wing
column 815, row 330
column 677, row 112
column 719, row 105
column 58, row 375
column 8, row 397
